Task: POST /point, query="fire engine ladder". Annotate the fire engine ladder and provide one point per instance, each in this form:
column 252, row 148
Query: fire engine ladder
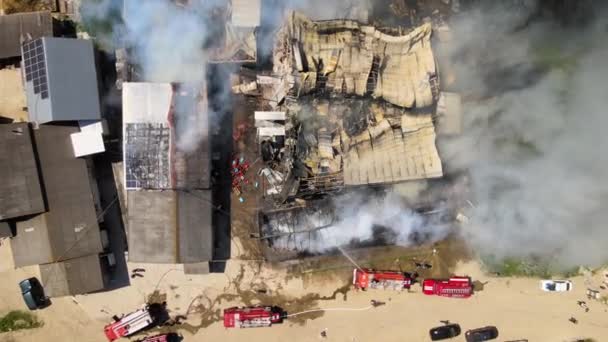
column 256, row 322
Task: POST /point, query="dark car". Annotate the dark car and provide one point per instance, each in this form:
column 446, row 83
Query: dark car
column 33, row 294
column 444, row 332
column 481, row 334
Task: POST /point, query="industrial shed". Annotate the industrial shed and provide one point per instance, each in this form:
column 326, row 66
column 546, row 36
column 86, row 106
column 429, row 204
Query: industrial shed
column 60, row 80
column 20, row 191
column 345, row 57
column 15, row 28
column 170, row 226
column 69, row 228
column 169, row 197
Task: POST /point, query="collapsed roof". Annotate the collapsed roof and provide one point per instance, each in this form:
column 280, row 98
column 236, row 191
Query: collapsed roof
column 367, row 118
column 345, row 57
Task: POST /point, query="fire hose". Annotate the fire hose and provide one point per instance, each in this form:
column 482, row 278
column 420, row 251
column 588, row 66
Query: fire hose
column 329, row 309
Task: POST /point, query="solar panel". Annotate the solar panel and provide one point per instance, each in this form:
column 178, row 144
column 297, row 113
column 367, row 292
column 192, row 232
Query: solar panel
column 35, row 67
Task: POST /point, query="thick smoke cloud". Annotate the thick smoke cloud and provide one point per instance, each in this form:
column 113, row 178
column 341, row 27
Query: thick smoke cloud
column 167, row 41
column 534, row 144
column 365, row 218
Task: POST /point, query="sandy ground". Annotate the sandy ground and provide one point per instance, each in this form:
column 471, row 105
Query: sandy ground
column 516, row 306
column 12, row 96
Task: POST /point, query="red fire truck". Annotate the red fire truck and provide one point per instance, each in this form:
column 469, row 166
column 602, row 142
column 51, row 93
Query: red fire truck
column 455, row 287
column 128, row 324
column 369, row 278
column 252, row 317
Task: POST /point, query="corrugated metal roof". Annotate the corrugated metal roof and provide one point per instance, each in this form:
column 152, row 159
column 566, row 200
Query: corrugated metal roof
column 69, row 229
column 246, row 13
column 396, row 155
column 170, row 226
column 20, row 191
column 22, row 26
column 61, row 80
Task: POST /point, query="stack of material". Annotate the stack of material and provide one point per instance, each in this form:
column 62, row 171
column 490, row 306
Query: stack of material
column 270, row 124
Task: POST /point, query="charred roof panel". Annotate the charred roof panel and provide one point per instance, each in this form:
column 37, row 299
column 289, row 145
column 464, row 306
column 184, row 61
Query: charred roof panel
column 20, row 191
column 357, row 59
column 166, row 138
column 394, row 155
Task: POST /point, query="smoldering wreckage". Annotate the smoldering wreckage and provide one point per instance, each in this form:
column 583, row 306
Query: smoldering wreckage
column 353, row 112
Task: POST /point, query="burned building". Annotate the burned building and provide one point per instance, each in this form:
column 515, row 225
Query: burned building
column 167, row 173
column 358, row 108
column 57, row 224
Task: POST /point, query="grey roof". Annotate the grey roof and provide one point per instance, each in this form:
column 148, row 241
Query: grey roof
column 72, row 277
column 449, row 114
column 61, row 80
column 20, row 192
column 170, row 226
column 69, row 229
column 22, row 26
column 5, row 230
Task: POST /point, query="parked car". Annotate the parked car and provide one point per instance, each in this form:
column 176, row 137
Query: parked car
column 556, row 285
column 33, row 294
column 481, row 334
column 444, row 332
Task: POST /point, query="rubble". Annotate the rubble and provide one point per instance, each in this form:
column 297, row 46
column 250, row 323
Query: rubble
column 352, row 105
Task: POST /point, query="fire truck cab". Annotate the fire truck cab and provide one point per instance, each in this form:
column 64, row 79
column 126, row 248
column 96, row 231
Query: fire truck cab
column 455, row 287
column 128, row 324
column 252, row 317
column 369, row 278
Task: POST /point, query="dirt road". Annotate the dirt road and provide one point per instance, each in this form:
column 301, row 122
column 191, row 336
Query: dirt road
column 516, row 306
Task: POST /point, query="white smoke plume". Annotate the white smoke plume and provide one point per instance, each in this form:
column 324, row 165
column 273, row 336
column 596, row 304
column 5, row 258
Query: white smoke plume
column 534, row 145
column 168, row 42
column 363, row 218
column 359, row 218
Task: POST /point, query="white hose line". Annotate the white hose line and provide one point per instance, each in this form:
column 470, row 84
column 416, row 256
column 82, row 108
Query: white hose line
column 330, row 309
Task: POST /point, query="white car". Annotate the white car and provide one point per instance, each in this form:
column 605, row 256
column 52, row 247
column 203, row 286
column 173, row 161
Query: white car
column 556, row 285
